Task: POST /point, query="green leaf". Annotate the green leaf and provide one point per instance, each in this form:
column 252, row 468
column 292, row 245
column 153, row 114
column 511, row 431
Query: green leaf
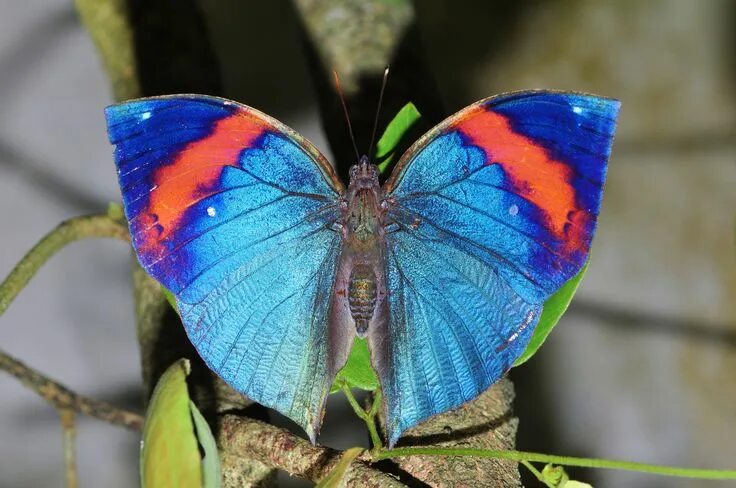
column 557, row 476
column 115, row 211
column 575, row 484
column 395, row 130
column 553, row 310
column 169, row 450
column 554, row 475
column 211, row 474
column 357, row 372
column 170, row 298
column 334, row 477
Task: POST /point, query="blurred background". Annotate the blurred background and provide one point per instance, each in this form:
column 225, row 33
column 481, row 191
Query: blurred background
column 642, row 367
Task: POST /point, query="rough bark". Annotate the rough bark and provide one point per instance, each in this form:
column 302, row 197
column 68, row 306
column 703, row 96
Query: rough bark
column 243, row 437
column 488, row 423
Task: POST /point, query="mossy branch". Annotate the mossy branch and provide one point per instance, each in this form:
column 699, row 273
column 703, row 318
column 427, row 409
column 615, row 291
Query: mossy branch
column 64, row 399
column 91, row 226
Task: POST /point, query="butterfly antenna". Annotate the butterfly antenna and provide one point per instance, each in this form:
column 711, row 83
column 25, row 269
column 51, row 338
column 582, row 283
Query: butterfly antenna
column 371, row 148
column 347, row 116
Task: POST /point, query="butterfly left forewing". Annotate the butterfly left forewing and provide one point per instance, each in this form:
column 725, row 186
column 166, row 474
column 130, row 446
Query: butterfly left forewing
column 493, row 210
column 232, row 212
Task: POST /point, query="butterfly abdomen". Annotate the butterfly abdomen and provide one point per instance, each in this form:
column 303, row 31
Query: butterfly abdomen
column 362, row 294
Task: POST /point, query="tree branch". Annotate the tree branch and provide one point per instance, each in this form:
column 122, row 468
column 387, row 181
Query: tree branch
column 485, row 423
column 63, row 399
column 70, row 458
column 69, row 231
column 241, row 437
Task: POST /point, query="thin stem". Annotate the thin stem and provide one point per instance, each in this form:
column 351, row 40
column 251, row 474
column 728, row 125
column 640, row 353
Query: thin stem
column 520, row 456
column 64, row 399
column 69, row 434
column 68, row 231
column 368, row 417
column 371, row 421
column 536, row 473
column 353, row 402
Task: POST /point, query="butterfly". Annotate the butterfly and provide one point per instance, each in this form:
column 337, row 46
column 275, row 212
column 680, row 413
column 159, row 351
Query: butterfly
column 277, row 266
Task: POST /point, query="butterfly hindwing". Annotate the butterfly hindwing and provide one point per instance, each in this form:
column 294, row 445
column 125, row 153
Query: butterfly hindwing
column 232, row 212
column 489, row 214
column 455, row 327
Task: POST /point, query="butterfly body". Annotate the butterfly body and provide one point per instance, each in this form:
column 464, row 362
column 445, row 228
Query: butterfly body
column 444, row 269
column 363, row 256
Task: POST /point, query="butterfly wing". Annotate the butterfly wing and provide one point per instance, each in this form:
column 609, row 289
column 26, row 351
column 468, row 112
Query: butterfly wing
column 232, row 212
column 490, row 213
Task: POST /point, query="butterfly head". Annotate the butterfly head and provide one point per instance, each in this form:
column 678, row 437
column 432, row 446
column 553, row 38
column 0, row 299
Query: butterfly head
column 364, row 174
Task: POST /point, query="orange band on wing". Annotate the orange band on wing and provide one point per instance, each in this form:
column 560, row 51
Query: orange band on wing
column 534, row 175
column 194, row 174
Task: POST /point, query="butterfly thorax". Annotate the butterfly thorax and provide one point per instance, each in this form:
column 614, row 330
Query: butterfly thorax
column 363, row 243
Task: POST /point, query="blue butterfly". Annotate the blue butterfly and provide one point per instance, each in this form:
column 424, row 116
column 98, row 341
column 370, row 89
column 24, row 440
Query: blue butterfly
column 276, row 266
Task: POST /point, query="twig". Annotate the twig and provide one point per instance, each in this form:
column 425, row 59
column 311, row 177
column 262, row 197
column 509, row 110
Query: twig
column 109, row 26
column 241, row 437
column 64, row 399
column 521, row 456
column 69, row 432
column 368, row 416
column 68, row 231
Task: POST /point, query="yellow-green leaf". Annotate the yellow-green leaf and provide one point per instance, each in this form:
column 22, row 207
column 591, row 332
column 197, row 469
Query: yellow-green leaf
column 575, row 484
column 334, row 477
column 169, row 451
column 211, row 473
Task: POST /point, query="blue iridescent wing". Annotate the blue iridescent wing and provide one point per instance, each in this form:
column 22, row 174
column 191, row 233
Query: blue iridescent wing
column 232, row 212
column 490, row 213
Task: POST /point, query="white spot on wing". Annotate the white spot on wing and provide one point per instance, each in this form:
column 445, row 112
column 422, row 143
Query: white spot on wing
column 577, row 110
column 145, row 115
column 211, row 211
column 513, row 209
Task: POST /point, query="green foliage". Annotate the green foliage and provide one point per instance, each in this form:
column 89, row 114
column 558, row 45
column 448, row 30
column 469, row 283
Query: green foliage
column 170, row 298
column 169, row 452
column 557, row 477
column 173, row 431
column 335, row 477
column 395, row 131
column 554, row 308
column 357, row 372
column 211, row 474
